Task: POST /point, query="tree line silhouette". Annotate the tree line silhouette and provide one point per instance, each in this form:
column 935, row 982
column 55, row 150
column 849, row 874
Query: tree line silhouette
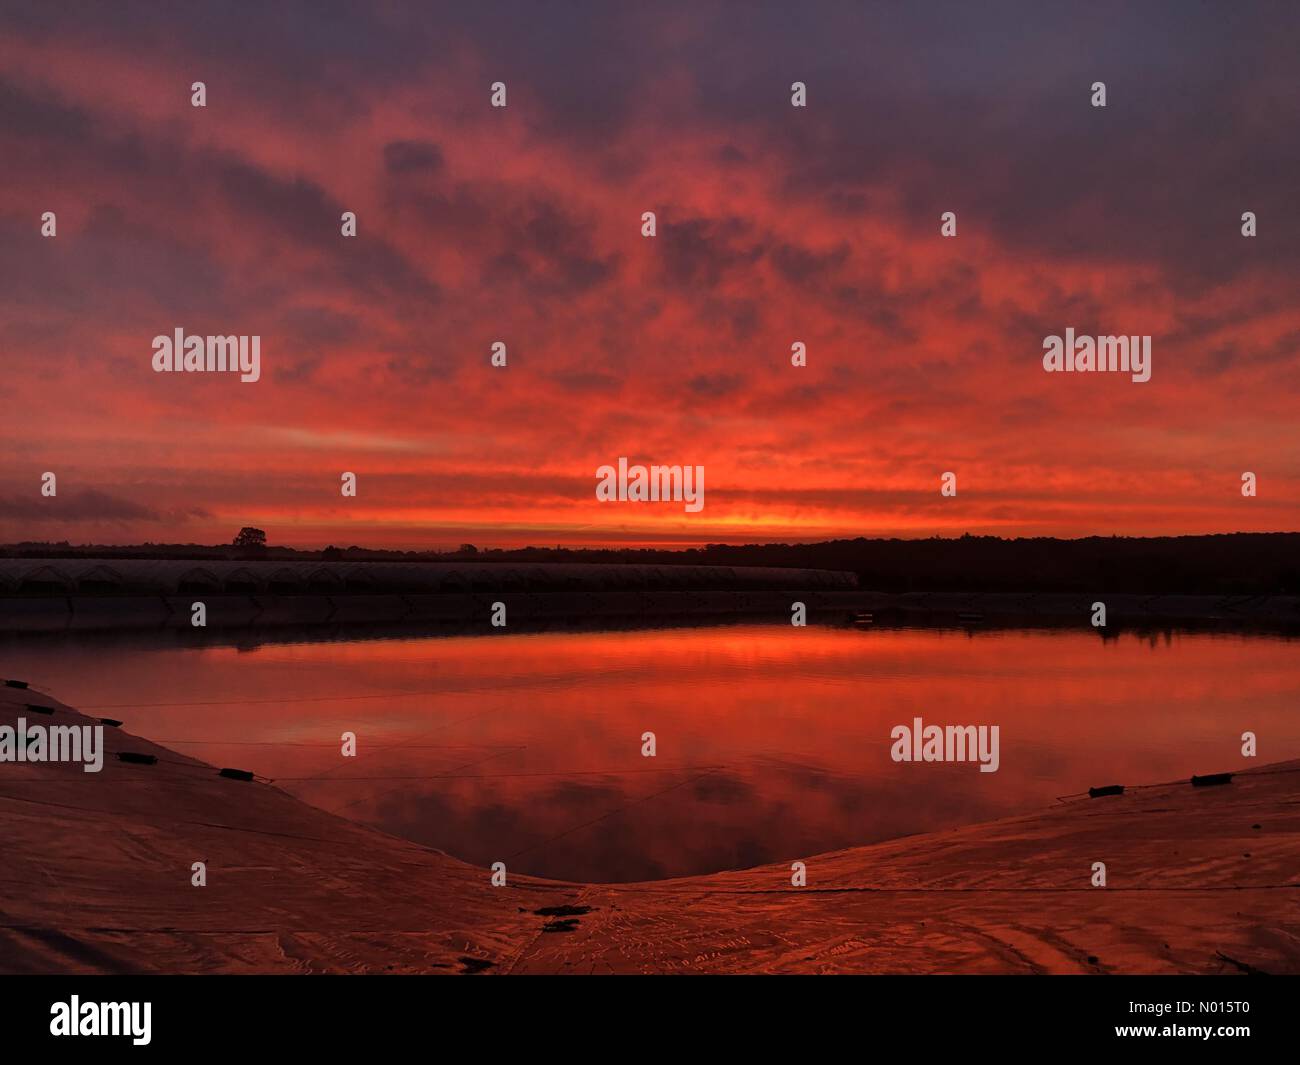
column 1230, row 563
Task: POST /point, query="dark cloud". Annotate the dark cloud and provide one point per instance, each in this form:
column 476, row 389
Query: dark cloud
column 802, row 265
column 548, row 250
column 78, row 505
column 698, row 253
column 715, row 386
column 412, row 157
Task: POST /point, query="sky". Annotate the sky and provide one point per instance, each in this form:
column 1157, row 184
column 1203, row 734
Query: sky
column 774, row 225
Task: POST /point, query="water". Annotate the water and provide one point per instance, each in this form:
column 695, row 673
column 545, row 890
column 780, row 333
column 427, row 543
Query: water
column 773, row 743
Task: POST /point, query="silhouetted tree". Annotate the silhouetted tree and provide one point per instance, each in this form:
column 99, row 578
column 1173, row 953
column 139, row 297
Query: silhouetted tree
column 251, row 542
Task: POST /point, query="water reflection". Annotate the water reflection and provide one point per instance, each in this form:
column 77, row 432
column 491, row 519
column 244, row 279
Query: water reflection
column 772, row 743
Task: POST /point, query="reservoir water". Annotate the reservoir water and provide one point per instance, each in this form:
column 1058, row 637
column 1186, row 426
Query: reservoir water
column 772, row 743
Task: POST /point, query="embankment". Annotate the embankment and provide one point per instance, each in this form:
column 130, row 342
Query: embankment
column 95, row 876
column 56, row 595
